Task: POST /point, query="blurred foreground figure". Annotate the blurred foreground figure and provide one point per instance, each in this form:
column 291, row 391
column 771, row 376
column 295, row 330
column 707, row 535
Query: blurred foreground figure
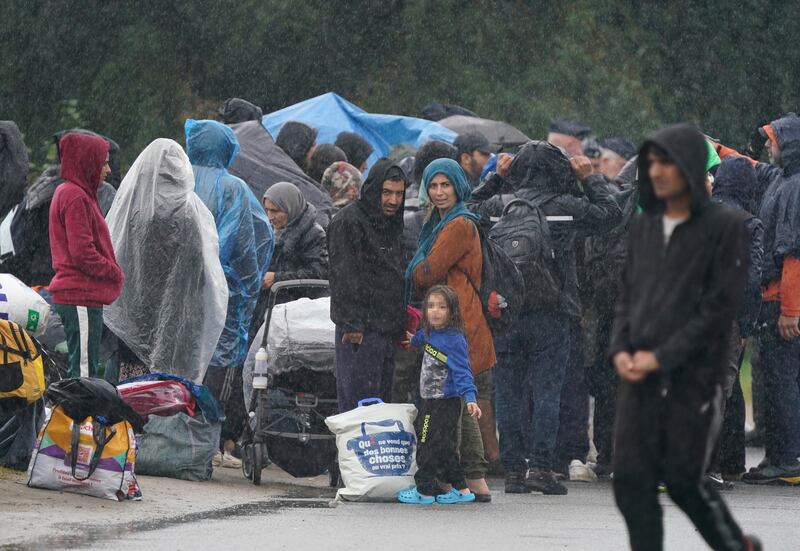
column 682, row 288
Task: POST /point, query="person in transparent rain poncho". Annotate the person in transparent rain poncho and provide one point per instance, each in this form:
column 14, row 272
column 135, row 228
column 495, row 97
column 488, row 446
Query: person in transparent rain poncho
column 172, row 308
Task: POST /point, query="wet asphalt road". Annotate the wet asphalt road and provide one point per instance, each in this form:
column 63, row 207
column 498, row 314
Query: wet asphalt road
column 585, row 519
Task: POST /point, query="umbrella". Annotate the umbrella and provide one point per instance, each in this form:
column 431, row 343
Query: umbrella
column 497, row 132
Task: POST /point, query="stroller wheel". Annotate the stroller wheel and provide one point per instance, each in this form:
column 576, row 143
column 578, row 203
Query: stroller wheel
column 258, row 463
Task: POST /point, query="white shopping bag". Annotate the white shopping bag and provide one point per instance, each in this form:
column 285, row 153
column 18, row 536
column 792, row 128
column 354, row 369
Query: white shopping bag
column 21, row 304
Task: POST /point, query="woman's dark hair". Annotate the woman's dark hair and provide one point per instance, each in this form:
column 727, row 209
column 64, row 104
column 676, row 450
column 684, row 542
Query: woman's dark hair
column 324, row 156
column 454, row 319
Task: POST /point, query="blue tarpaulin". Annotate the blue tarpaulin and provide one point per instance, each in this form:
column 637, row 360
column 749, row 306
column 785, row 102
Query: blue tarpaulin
column 331, row 114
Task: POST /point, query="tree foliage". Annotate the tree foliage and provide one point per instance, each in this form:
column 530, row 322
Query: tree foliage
column 135, row 70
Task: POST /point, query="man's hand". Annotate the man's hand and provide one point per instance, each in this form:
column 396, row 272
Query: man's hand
column 645, row 361
column 474, row 410
column 269, row 280
column 581, row 166
column 788, row 327
column 504, row 161
column 354, row 338
column 623, row 363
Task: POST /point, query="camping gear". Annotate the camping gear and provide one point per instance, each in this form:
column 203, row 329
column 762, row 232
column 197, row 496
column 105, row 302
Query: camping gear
column 331, row 114
column 178, row 446
column 21, row 304
column 92, row 456
column 21, row 367
column 499, row 133
column 157, row 398
column 377, row 450
column 287, row 419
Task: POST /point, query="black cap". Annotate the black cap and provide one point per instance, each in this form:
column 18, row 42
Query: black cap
column 570, row 127
column 622, row 147
column 467, row 143
column 591, row 147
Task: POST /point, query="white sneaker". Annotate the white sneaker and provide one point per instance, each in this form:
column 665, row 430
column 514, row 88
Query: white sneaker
column 580, row 472
column 230, row 462
column 216, row 461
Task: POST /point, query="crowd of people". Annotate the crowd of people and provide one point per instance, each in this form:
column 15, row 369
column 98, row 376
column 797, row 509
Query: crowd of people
column 649, row 290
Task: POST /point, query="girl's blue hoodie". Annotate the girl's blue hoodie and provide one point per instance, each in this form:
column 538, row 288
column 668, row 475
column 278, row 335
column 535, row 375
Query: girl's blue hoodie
column 446, row 371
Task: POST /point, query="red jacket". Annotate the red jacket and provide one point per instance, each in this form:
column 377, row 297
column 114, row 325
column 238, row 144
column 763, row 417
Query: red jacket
column 87, row 273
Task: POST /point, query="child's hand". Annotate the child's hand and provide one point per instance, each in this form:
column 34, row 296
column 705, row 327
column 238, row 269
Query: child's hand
column 474, row 410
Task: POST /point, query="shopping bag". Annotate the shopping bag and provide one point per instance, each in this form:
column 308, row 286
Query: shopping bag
column 21, row 304
column 89, row 457
column 376, row 448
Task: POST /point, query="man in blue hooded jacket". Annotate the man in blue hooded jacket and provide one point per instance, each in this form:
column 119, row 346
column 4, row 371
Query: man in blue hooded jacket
column 246, row 244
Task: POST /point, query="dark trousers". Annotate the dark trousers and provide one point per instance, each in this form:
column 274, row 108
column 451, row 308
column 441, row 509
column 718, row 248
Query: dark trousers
column 573, row 426
column 363, row 371
column 437, row 447
column 225, row 385
column 781, row 364
column 729, row 454
column 531, row 362
column 668, row 437
column 602, row 382
column 83, row 328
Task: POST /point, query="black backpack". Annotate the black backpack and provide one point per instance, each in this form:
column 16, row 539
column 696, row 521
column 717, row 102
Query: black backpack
column 524, row 235
column 502, row 290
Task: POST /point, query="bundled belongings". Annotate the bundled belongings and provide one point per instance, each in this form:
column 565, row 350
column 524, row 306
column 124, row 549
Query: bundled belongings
column 172, row 308
column 87, row 444
column 183, row 425
column 21, row 304
column 377, row 450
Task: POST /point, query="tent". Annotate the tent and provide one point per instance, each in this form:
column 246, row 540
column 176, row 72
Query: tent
column 331, row 114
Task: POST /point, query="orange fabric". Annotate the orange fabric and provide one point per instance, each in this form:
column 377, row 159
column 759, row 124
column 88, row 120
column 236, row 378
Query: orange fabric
column 725, row 151
column 767, row 128
column 787, row 290
column 456, row 251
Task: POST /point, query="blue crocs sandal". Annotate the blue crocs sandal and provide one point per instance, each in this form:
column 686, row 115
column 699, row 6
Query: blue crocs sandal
column 454, row 496
column 413, row 496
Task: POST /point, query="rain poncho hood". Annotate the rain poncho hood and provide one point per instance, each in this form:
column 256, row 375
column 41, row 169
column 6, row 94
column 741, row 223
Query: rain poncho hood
column 13, row 166
column 236, row 110
column 172, row 308
column 296, row 138
column 735, row 182
column 435, row 224
column 541, row 166
column 685, row 146
column 370, row 201
column 245, row 235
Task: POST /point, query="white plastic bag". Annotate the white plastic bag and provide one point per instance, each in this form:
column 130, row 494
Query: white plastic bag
column 21, row 304
column 377, row 450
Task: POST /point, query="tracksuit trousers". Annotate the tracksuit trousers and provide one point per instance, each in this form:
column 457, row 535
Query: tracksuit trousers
column 83, row 328
column 438, row 459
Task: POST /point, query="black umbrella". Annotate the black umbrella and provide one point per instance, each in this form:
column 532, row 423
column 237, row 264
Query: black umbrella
column 497, row 132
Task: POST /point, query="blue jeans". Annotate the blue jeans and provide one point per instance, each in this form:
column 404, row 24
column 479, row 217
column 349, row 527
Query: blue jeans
column 781, row 365
column 531, row 362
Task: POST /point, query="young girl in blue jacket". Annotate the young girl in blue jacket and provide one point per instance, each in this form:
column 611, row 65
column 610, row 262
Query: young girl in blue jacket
column 445, row 380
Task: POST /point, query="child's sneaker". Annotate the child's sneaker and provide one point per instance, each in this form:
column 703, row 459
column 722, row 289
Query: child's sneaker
column 413, row 496
column 454, row 496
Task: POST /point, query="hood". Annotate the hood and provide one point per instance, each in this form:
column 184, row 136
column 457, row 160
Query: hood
column 370, row 200
column 541, row 166
column 735, row 182
column 82, row 159
column 114, row 161
column 686, row 146
column 787, row 134
column 13, row 166
column 210, row 143
column 296, row 138
column 236, row 110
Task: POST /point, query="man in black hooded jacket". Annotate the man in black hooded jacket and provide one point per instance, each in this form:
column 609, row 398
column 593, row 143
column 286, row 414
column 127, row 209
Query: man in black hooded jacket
column 681, row 290
column 366, row 271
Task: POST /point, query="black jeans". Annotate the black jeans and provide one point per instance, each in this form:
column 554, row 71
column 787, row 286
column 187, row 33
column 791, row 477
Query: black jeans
column 363, row 370
column 602, row 382
column 667, row 435
column 225, row 385
column 573, row 425
column 437, row 447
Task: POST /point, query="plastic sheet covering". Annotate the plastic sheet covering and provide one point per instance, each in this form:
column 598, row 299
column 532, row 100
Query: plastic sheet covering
column 301, row 336
column 172, row 307
column 246, row 241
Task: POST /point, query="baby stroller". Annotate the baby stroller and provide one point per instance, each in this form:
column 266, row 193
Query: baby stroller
column 286, row 420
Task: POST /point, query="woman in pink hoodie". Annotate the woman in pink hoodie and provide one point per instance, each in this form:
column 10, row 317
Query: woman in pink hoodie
column 87, row 274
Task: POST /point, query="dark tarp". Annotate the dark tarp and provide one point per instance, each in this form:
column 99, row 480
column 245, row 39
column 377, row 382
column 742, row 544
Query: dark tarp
column 13, row 166
column 261, row 163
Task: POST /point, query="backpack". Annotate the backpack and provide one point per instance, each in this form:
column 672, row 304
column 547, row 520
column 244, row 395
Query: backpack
column 21, row 367
column 502, row 290
column 523, row 233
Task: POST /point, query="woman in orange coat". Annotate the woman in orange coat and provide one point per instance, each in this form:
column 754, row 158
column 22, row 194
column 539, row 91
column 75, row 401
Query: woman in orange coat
column 450, row 253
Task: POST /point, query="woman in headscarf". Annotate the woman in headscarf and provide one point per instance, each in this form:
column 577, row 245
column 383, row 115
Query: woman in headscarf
column 324, row 156
column 298, row 141
column 301, row 251
column 343, row 183
column 450, row 253
column 171, row 311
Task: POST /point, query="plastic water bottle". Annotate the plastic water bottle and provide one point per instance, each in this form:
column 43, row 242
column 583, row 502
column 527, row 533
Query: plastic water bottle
column 260, row 370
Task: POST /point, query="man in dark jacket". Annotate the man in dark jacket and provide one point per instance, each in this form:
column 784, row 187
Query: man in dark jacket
column 681, row 291
column 367, row 286
column 532, row 357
